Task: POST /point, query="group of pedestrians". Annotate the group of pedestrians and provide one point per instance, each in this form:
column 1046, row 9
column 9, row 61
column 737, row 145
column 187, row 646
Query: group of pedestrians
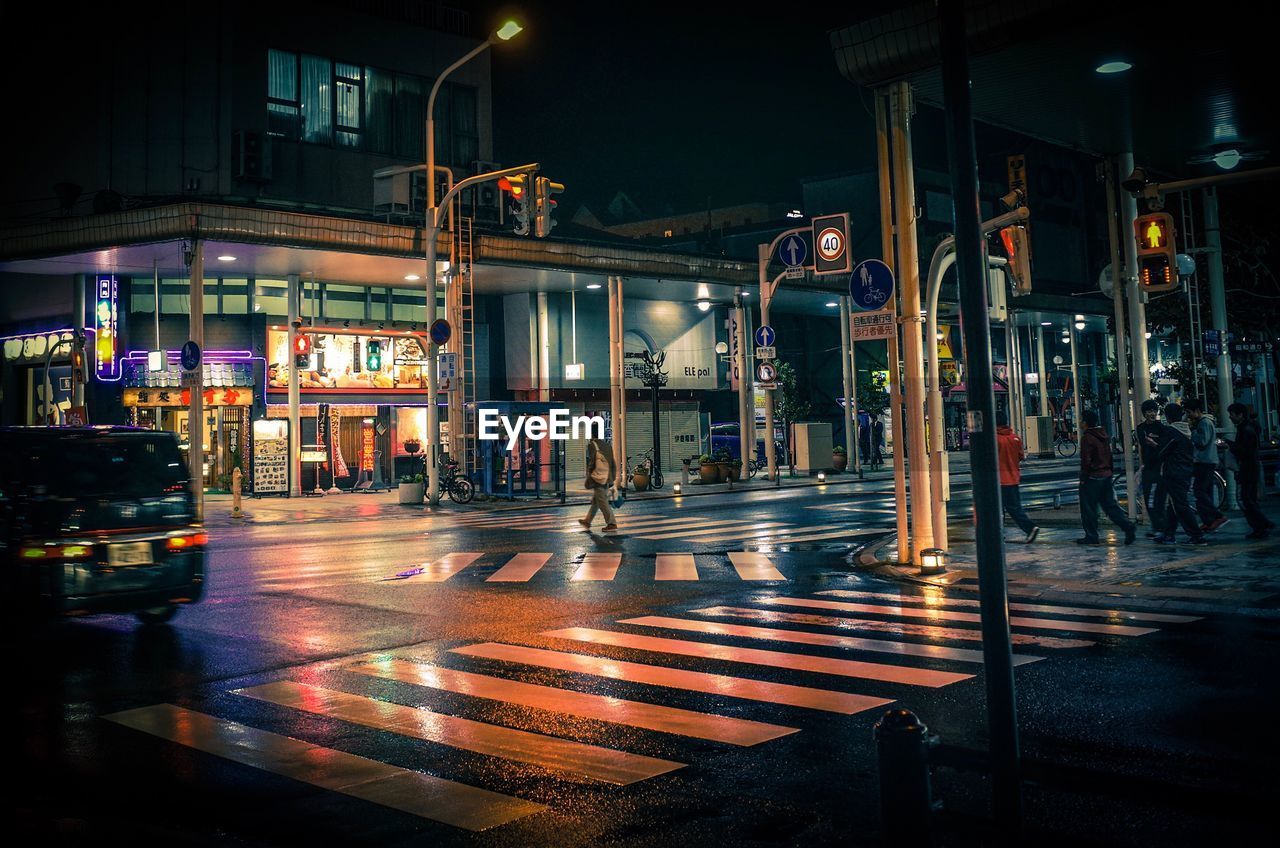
column 1179, row 459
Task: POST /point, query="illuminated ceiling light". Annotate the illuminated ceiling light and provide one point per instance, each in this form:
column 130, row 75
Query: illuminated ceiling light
column 1227, row 159
column 1046, row 323
column 704, row 305
column 593, row 286
column 703, row 291
column 226, row 257
column 1079, row 325
column 1148, row 335
column 413, row 278
column 831, row 304
column 1114, row 67
column 509, row 30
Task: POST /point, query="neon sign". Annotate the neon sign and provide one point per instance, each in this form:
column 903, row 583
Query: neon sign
column 106, row 323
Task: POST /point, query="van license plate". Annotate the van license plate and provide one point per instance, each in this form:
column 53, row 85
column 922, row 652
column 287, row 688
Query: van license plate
column 129, row 553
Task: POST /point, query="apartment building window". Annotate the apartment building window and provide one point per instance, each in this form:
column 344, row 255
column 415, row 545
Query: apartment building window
column 348, row 83
column 411, row 95
column 284, row 111
column 379, row 110
column 317, row 100
column 464, row 128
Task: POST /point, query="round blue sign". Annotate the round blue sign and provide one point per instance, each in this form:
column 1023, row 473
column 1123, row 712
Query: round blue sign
column 440, row 331
column 765, row 336
column 871, row 285
column 793, row 251
column 190, row 356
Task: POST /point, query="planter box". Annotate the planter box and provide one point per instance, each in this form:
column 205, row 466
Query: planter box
column 839, row 461
column 640, row 482
column 709, row 472
column 411, row 493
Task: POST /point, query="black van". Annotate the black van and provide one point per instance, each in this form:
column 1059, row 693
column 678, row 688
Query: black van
column 97, row 520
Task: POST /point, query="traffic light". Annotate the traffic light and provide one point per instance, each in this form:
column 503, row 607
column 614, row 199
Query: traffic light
column 1017, row 247
column 544, row 205
column 77, row 358
column 373, row 355
column 1157, row 252
column 518, row 187
column 302, row 350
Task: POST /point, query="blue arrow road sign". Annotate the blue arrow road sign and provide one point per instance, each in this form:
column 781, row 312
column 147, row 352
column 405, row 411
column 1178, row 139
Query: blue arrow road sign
column 765, row 336
column 793, row 251
column 871, row 285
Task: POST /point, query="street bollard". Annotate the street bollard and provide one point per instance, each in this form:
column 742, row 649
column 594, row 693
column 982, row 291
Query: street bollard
column 684, row 474
column 906, row 804
column 236, row 478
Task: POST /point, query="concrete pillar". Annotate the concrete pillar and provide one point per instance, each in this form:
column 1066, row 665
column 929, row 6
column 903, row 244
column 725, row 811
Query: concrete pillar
column 195, row 409
column 293, row 299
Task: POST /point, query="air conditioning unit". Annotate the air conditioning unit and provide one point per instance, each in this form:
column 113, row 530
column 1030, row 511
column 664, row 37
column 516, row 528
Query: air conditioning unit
column 251, row 155
column 404, row 192
column 483, row 203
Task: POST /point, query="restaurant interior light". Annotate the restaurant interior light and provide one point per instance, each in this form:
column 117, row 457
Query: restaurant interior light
column 226, row 257
column 704, row 305
column 593, row 286
column 1116, row 66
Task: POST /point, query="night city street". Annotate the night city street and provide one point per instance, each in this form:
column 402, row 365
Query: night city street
column 462, row 422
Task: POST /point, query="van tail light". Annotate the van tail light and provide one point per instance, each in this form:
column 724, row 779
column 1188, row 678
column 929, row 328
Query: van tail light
column 49, row 552
column 193, row 540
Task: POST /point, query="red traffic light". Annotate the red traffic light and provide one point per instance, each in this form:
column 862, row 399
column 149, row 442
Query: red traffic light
column 515, row 185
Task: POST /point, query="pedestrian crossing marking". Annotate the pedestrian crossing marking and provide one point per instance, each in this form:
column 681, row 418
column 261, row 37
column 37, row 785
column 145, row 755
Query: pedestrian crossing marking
column 953, row 615
column 592, row 761
column 519, row 568
column 754, row 566
column 675, row 567
column 757, row 656
column 807, row 534
column 785, row 694
column 681, row 722
column 1020, row 607
column 734, row 528
column 440, row 569
column 802, row 637
column 893, row 627
column 413, row 792
column 682, row 525
column 598, row 566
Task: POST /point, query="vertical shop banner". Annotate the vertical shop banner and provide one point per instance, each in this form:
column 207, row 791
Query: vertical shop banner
column 366, row 446
column 323, row 441
column 271, row 456
column 106, row 327
column 733, row 350
column 337, row 463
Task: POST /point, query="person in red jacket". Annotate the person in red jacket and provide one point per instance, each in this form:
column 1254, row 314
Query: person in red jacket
column 1011, row 455
column 1096, row 489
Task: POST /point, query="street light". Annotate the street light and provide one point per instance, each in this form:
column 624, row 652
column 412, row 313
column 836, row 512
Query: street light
column 504, row 33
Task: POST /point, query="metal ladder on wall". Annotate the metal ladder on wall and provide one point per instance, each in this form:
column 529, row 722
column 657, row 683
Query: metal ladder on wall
column 464, row 305
column 1187, row 238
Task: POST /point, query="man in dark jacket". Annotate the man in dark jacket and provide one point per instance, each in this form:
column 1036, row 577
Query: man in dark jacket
column 1095, row 483
column 1204, row 457
column 1248, row 477
column 1150, row 455
column 1176, row 466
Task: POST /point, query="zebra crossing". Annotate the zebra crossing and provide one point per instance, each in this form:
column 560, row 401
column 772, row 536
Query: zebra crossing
column 676, row 525
column 744, row 676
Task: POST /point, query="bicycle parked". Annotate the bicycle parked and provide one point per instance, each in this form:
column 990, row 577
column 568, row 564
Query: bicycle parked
column 647, row 465
column 459, row 489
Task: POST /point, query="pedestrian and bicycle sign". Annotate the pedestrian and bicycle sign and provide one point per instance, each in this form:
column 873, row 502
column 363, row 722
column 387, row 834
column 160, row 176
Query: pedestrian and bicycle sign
column 871, row 285
column 831, row 244
column 766, row 372
column 765, row 336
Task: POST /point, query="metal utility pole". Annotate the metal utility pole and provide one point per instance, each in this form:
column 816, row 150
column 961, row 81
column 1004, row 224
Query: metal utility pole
column 195, row 412
column 77, row 326
column 1137, row 307
column 615, row 376
column 992, row 586
column 913, row 352
column 1218, row 313
column 887, row 232
column 746, row 419
column 1043, row 372
column 1077, row 402
column 293, row 301
column 850, row 398
column 1127, row 412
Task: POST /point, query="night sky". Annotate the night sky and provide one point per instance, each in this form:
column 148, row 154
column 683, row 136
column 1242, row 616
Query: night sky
column 677, row 106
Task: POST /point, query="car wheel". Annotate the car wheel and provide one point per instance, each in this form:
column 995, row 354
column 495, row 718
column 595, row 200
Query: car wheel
column 157, row 615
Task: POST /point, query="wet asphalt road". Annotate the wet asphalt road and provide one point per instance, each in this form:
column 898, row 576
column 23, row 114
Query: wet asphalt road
column 1137, row 731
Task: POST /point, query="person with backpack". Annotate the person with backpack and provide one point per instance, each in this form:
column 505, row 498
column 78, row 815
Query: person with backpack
column 1096, row 490
column 1249, row 474
column 602, row 470
column 1204, row 458
column 1176, row 470
column 1011, row 453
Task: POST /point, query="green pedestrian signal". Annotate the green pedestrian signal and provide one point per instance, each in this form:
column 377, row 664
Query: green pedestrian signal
column 373, row 356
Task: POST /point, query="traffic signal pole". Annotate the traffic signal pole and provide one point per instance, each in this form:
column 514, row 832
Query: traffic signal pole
column 989, row 532
column 1127, row 412
column 1218, row 313
column 764, row 253
column 1133, row 292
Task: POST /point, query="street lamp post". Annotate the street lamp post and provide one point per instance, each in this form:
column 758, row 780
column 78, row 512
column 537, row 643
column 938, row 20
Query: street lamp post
column 506, row 32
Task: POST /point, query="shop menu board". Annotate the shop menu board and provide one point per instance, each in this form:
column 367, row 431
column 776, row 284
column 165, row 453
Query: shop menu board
column 271, row 457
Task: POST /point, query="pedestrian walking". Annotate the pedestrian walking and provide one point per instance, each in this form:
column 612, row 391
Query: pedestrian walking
column 1204, row 458
column 877, row 440
column 1176, row 470
column 1150, row 457
column 602, row 470
column 864, row 437
column 1096, row 490
column 1249, row 473
column 1011, row 454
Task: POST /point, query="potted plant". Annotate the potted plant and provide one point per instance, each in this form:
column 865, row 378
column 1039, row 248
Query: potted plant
column 734, row 470
column 410, row 489
column 640, row 479
column 839, row 459
column 722, row 458
column 707, row 470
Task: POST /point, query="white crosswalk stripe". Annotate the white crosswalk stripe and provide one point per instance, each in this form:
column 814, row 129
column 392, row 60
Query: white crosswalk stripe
column 785, row 676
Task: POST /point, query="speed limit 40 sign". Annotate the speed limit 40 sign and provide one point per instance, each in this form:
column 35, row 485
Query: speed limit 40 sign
column 831, row 244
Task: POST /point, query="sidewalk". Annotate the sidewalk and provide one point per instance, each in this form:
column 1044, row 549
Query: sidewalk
column 1231, row 574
